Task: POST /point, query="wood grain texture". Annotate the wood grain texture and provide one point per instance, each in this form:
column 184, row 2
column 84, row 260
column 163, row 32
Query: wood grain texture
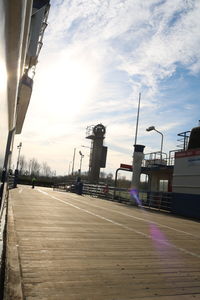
column 79, row 247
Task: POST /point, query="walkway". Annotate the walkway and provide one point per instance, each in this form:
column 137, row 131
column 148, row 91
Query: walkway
column 62, row 246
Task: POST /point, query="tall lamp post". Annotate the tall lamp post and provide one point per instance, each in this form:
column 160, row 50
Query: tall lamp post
column 89, row 157
column 81, row 160
column 16, row 173
column 69, row 169
column 19, row 148
column 73, row 161
column 151, row 128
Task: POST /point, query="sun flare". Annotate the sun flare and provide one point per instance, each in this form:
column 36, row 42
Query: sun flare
column 72, row 82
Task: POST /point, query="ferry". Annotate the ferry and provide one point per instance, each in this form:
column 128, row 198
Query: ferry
column 22, row 26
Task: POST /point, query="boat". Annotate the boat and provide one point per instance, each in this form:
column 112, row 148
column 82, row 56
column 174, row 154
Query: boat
column 22, row 26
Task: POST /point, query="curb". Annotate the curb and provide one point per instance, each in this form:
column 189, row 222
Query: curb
column 13, row 283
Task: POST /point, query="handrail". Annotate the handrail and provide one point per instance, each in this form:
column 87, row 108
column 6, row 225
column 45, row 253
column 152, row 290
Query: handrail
column 152, row 200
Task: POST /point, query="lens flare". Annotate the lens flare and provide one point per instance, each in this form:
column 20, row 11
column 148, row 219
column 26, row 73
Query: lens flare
column 160, row 242
column 158, row 237
column 135, row 195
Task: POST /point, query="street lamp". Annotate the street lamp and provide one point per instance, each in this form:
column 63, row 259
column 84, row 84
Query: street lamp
column 151, row 128
column 69, row 169
column 85, row 146
column 16, row 173
column 19, row 147
column 81, row 160
column 89, row 157
column 73, row 161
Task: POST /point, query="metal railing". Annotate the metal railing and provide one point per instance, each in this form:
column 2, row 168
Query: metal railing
column 157, row 200
column 99, row 191
column 155, row 158
column 11, row 182
column 152, row 200
column 183, row 139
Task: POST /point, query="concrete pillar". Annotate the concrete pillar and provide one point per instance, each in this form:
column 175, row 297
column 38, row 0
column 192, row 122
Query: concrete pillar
column 96, row 154
column 97, row 135
column 155, row 179
column 135, row 183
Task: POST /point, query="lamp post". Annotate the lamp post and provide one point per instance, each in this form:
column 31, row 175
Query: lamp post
column 81, row 160
column 151, row 128
column 16, row 173
column 89, row 158
column 69, row 169
column 19, row 147
column 85, row 146
column 73, row 161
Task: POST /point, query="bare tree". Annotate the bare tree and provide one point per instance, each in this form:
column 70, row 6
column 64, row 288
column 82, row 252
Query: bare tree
column 22, row 164
column 110, row 176
column 34, row 167
column 102, row 175
column 46, row 170
column 29, row 165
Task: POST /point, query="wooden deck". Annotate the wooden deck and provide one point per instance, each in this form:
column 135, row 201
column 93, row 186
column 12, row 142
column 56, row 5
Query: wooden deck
column 62, row 246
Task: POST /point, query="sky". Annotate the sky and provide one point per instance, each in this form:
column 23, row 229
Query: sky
column 96, row 59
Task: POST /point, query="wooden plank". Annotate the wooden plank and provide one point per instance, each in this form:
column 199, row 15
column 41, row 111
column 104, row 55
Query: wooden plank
column 74, row 247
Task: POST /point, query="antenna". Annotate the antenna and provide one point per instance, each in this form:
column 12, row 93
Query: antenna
column 138, row 114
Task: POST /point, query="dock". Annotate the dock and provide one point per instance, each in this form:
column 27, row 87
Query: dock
column 63, row 246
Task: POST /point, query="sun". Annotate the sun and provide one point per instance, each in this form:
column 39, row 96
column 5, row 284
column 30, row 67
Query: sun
column 71, row 84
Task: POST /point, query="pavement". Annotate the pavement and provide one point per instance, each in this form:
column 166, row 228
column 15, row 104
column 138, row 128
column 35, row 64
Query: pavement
column 62, row 246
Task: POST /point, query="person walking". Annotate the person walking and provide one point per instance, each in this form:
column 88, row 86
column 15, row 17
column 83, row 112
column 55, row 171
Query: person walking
column 33, row 182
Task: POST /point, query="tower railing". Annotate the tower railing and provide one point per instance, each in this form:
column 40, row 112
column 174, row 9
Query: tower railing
column 183, row 139
column 155, row 158
column 89, row 131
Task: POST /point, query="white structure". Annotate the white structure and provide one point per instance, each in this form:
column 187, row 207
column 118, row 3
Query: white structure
column 22, row 25
column 138, row 157
column 98, row 152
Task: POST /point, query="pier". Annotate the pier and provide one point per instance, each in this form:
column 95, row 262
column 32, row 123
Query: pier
column 62, row 246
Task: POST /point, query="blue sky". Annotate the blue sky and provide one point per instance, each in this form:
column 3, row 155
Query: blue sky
column 97, row 57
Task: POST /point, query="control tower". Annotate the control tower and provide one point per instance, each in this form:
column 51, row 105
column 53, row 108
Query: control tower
column 98, row 152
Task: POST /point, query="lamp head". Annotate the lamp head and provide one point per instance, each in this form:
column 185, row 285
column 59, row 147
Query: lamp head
column 150, row 128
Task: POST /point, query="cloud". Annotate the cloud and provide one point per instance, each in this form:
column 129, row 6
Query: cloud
column 166, row 43
column 145, row 39
column 97, row 57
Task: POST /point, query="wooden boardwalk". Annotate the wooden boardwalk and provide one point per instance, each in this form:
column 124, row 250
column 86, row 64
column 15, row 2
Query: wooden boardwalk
column 62, row 246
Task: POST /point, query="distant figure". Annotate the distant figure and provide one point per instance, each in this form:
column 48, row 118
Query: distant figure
column 78, row 179
column 79, row 186
column 16, row 173
column 33, row 182
column 106, row 190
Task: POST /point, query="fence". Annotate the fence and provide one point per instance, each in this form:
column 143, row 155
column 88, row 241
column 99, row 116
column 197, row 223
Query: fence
column 157, row 200
column 11, row 182
column 152, row 200
column 64, row 186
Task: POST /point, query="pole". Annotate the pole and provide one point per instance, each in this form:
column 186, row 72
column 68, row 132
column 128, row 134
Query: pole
column 19, row 147
column 69, row 168
column 161, row 146
column 81, row 161
column 138, row 114
column 80, row 164
column 73, row 161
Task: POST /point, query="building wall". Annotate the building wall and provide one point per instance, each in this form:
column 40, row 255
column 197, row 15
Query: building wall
column 3, row 87
column 186, row 177
column 12, row 20
column 186, row 184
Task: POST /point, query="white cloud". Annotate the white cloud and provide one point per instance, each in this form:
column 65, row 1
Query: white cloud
column 97, row 56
